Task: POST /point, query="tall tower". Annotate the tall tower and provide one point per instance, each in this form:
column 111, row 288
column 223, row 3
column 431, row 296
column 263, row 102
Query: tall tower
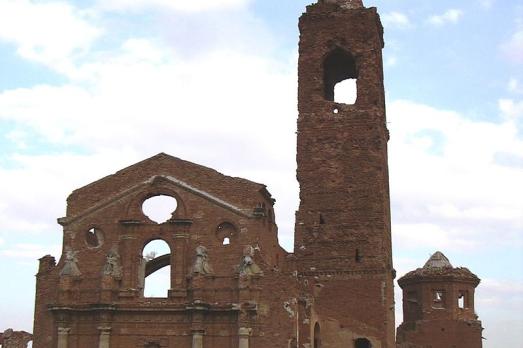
column 343, row 241
column 438, row 306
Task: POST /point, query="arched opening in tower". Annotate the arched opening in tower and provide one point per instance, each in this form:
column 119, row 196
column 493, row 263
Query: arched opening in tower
column 340, row 76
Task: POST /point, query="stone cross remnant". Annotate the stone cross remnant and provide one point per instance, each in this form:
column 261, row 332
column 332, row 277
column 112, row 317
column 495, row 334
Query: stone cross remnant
column 15, row 339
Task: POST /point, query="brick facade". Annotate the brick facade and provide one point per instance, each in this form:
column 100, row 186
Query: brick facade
column 231, row 284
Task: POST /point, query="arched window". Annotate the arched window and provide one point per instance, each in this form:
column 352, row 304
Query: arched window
column 156, row 269
column 362, row 343
column 160, row 208
column 317, row 336
column 339, row 77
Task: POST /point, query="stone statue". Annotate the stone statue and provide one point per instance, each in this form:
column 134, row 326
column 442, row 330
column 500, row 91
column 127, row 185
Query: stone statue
column 113, row 266
column 70, row 266
column 201, row 263
column 247, row 265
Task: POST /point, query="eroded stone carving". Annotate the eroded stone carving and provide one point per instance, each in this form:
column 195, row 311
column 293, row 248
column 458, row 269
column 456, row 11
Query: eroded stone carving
column 70, row 266
column 247, row 265
column 201, row 263
column 113, row 266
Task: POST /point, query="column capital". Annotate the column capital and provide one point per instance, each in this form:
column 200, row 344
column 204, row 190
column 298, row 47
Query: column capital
column 64, row 330
column 104, row 329
column 244, row 331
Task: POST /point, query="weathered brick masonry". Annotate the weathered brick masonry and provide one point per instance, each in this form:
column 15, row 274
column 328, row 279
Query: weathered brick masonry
column 231, row 284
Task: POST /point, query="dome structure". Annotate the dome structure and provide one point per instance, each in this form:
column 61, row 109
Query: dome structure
column 438, row 306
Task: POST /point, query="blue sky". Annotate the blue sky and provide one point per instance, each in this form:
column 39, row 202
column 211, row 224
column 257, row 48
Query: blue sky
column 89, row 87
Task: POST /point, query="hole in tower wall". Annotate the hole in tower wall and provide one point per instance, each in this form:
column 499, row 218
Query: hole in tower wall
column 345, row 92
column 159, row 208
column 357, row 256
column 339, row 77
column 461, row 300
column 362, row 343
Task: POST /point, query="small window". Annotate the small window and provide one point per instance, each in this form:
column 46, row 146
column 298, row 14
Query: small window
column 462, row 299
column 94, row 237
column 362, row 343
column 438, row 299
column 412, row 297
column 317, row 336
column 226, row 232
column 357, row 256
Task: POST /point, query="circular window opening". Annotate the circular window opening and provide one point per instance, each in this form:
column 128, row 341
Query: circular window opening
column 94, row 237
column 159, row 208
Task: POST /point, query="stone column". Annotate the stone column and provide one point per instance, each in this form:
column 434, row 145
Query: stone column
column 63, row 337
column 244, row 334
column 197, row 339
column 105, row 337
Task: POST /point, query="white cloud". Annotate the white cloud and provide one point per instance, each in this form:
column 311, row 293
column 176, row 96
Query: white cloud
column 454, row 181
column 396, row 19
column 391, row 61
column 514, row 86
column 450, row 16
column 486, row 4
column 51, row 33
column 513, row 48
column 175, row 5
column 431, row 237
column 511, row 108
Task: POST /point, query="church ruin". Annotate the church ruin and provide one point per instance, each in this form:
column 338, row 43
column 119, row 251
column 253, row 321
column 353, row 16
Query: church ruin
column 231, row 284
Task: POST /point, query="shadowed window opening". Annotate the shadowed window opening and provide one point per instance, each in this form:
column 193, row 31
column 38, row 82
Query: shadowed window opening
column 357, row 256
column 94, row 237
column 462, row 299
column 159, row 208
column 339, row 77
column 362, row 343
column 438, row 299
column 322, row 220
column 155, row 270
column 226, row 232
column 317, row 336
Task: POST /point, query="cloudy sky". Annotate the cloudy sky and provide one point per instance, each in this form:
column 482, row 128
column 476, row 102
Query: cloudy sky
column 88, row 87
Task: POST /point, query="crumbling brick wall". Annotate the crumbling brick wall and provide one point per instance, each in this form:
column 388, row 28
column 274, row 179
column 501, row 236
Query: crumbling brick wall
column 15, row 339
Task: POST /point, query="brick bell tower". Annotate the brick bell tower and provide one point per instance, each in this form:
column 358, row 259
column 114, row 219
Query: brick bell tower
column 343, row 238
